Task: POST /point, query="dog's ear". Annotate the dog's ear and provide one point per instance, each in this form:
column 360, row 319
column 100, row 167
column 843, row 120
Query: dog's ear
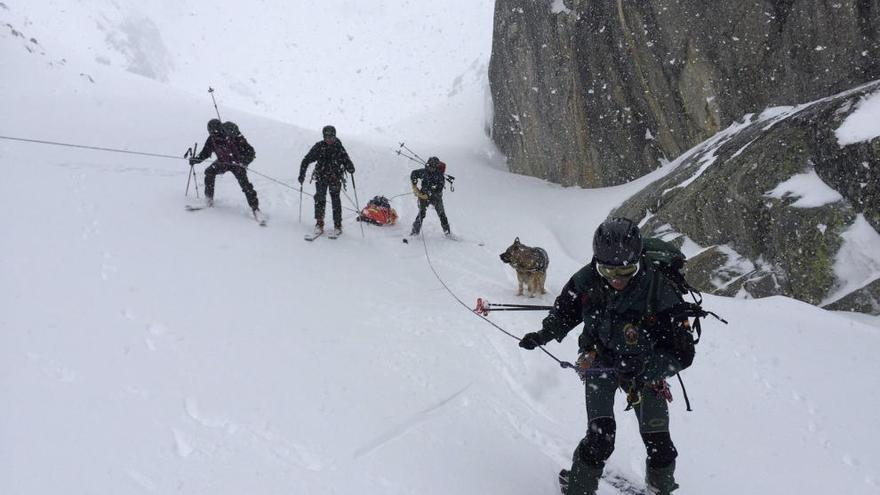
column 516, row 241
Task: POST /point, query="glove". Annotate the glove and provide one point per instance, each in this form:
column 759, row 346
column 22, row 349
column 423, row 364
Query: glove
column 533, row 339
column 419, row 194
column 584, row 362
column 301, row 179
column 194, row 161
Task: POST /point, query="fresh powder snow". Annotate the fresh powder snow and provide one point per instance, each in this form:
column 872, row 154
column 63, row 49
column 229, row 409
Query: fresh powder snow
column 146, row 349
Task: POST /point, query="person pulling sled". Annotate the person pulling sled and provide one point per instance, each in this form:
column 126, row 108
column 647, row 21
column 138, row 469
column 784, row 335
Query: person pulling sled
column 329, row 174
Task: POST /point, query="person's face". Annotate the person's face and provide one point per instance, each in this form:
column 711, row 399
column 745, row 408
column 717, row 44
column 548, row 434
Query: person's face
column 618, row 277
column 329, row 139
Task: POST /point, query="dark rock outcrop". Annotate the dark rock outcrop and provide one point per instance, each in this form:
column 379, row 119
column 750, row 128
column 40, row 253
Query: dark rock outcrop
column 598, row 92
column 762, row 244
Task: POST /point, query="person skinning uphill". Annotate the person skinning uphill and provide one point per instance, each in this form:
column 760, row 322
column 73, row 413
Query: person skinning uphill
column 329, row 174
column 429, row 193
column 234, row 154
column 633, row 338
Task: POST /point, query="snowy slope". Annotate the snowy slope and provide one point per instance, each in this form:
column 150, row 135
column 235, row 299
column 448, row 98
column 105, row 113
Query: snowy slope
column 361, row 65
column 146, row 349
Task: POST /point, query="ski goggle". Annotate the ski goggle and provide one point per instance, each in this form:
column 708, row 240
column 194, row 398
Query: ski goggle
column 611, row 271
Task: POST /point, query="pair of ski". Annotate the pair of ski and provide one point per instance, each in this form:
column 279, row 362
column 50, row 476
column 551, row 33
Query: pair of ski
column 260, row 219
column 615, row 480
column 315, row 235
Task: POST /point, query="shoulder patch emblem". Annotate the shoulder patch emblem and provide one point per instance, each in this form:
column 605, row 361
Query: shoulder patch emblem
column 630, row 334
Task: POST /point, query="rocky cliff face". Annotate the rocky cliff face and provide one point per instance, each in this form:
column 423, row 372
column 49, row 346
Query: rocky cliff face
column 596, row 93
column 778, row 203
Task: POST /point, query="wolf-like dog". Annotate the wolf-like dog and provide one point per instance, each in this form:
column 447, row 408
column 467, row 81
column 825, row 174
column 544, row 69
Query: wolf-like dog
column 530, row 264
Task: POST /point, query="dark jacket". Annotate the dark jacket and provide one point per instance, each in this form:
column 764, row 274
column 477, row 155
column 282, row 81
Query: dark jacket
column 433, row 181
column 637, row 321
column 333, row 162
column 229, row 149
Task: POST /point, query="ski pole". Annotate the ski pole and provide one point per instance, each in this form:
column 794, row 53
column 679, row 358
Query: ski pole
column 400, row 153
column 193, row 170
column 211, row 92
column 300, row 203
column 189, row 152
column 493, row 310
column 402, row 145
column 522, row 306
column 357, row 203
column 484, row 307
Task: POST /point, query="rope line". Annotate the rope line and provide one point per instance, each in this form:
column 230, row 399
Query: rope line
column 99, row 148
column 159, row 155
column 564, row 364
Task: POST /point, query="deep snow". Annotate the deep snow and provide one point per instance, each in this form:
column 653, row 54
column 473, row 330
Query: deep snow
column 146, row 349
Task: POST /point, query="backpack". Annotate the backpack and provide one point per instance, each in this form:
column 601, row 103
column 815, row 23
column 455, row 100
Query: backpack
column 450, row 179
column 669, row 261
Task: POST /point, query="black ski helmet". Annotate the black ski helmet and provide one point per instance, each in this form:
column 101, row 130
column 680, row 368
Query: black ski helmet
column 328, row 131
column 231, row 129
column 433, row 163
column 617, row 242
column 215, row 126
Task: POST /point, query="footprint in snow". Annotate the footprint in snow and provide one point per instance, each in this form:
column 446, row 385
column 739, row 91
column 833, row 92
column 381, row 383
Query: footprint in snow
column 53, row 369
column 182, row 445
column 192, row 410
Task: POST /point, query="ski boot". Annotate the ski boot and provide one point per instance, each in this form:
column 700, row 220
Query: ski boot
column 258, row 216
column 660, row 481
column 583, row 479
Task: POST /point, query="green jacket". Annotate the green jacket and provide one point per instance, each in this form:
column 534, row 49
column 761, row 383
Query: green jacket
column 635, row 322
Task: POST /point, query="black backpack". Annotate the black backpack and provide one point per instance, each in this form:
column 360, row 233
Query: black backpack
column 380, row 201
column 670, row 261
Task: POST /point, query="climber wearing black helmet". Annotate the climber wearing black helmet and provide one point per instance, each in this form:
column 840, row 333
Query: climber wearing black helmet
column 432, row 180
column 329, row 174
column 234, row 154
column 631, row 341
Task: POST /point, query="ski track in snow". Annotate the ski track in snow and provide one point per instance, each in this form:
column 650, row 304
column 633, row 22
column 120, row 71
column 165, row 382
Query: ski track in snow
column 227, row 436
column 407, row 425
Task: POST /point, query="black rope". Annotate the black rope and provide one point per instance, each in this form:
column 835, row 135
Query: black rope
column 99, row 148
column 159, row 155
column 564, row 364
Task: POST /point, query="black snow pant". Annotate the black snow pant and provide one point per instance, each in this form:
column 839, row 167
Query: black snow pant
column 437, row 202
column 240, row 173
column 321, row 187
column 652, row 413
